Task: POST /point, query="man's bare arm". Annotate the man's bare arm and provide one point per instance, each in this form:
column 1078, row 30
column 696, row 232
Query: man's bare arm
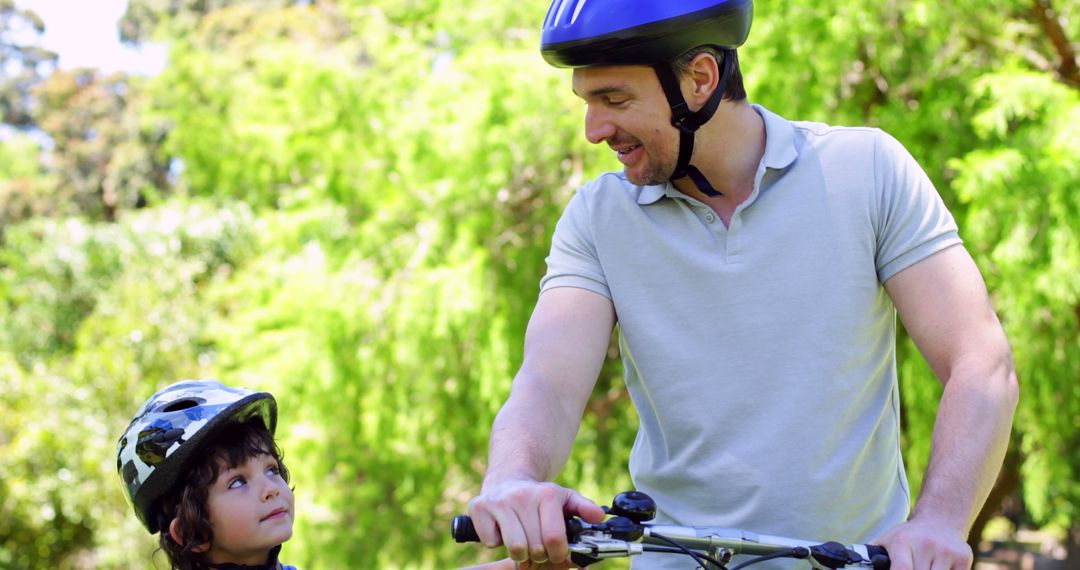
column 944, row 305
column 534, row 432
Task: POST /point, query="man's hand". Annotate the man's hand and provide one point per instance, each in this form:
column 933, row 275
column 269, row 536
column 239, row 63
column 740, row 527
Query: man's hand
column 925, row 544
column 529, row 565
column 508, row 564
column 529, row 518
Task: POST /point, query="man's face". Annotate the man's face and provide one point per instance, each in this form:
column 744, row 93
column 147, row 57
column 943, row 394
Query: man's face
column 626, row 108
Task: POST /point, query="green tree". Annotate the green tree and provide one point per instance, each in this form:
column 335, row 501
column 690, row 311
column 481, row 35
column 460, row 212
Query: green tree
column 22, row 64
column 1023, row 212
column 358, row 206
column 407, row 240
column 24, row 183
column 146, row 19
column 105, row 157
column 123, row 300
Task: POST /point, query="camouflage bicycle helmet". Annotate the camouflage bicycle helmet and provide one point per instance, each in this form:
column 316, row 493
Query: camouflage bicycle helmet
column 587, row 33
column 168, row 431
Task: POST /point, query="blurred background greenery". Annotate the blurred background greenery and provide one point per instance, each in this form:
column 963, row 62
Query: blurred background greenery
column 348, row 203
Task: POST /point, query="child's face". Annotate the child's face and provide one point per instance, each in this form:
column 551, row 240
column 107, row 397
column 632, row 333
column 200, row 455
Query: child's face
column 251, row 510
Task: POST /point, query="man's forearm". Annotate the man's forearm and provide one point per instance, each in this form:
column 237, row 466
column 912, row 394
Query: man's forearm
column 971, row 434
column 532, row 435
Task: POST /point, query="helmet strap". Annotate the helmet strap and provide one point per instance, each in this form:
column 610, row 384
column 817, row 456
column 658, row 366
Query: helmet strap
column 271, row 563
column 688, row 122
column 163, row 522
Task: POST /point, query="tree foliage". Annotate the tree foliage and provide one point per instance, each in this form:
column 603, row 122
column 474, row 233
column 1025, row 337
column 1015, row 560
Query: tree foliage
column 24, row 183
column 105, row 157
column 168, row 19
column 121, row 305
column 349, row 204
column 23, row 64
column 1022, row 208
column 83, row 146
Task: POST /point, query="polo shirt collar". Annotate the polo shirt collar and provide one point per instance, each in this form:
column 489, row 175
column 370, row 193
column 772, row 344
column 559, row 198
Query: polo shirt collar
column 779, row 140
column 779, row 154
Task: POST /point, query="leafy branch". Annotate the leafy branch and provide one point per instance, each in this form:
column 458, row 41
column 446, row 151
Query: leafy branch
column 1048, row 18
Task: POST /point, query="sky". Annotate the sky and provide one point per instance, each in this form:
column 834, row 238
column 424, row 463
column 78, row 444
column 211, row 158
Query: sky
column 84, row 34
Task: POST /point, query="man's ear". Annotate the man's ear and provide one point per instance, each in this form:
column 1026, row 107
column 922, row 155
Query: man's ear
column 704, row 76
column 174, row 533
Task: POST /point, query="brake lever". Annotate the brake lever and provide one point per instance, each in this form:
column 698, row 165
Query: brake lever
column 833, row 555
column 592, row 548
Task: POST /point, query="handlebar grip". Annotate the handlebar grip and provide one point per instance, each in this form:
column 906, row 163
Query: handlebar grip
column 878, row 556
column 461, row 528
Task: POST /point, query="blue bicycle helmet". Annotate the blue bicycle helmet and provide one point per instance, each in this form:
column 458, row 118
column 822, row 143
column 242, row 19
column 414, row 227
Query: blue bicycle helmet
column 584, row 33
column 587, row 33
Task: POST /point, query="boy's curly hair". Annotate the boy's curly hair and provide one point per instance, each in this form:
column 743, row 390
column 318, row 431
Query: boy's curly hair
column 230, row 447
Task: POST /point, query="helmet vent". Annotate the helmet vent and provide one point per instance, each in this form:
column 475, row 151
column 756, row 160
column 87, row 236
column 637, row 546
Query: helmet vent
column 563, row 12
column 574, row 11
column 181, row 405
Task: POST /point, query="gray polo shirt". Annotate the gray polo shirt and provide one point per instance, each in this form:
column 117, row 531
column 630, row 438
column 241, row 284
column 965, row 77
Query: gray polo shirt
column 761, row 356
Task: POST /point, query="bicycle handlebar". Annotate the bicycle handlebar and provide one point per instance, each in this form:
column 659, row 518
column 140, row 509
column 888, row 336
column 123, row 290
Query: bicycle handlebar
column 626, row 534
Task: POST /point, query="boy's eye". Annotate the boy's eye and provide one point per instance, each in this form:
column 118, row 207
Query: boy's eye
column 273, row 470
column 236, row 483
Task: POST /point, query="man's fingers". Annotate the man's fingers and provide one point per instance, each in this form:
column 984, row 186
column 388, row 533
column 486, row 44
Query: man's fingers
column 553, row 530
column 926, row 545
column 486, row 529
column 546, row 518
column 528, row 518
column 514, row 536
column 535, row 535
column 922, row 558
column 545, row 566
column 584, row 508
column 900, row 556
column 517, row 542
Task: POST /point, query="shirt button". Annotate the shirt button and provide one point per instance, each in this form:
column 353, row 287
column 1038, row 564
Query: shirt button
column 710, row 218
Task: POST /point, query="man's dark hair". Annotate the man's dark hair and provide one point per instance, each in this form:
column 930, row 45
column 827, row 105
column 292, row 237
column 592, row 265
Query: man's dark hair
column 229, row 448
column 735, row 90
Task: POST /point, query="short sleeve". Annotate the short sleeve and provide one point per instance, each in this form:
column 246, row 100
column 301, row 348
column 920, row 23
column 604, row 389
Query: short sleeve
column 573, row 259
column 912, row 222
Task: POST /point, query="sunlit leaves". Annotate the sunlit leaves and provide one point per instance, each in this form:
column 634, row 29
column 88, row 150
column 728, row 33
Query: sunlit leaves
column 94, row 316
column 375, row 185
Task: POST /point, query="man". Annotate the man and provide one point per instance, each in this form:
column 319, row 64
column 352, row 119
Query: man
column 755, row 267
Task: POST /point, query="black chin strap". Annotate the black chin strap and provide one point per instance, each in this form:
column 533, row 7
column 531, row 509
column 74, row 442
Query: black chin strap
column 271, row 563
column 688, row 121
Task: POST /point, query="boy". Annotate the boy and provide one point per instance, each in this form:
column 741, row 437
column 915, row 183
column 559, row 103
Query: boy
column 200, row 466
